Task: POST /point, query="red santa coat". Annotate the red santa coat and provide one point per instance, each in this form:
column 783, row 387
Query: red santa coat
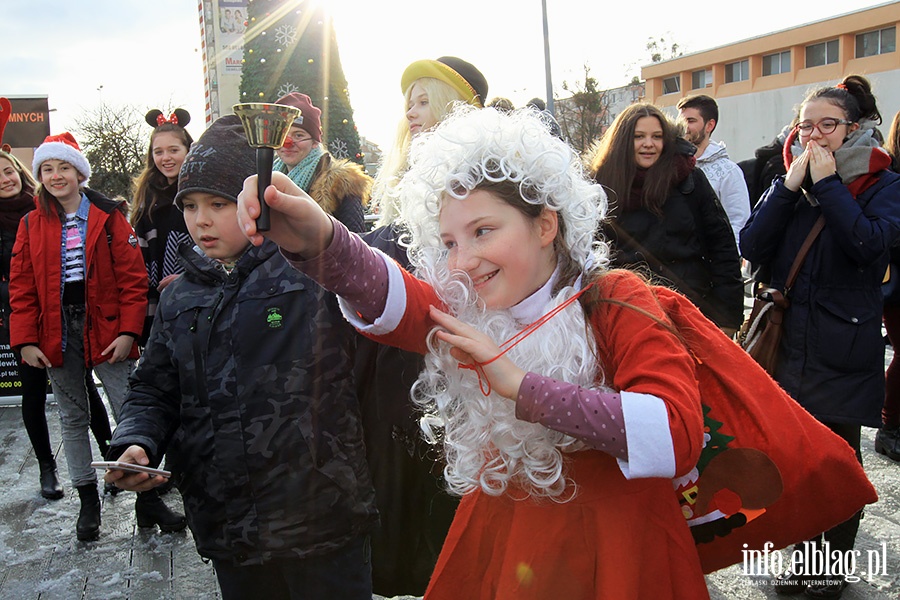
column 115, row 282
column 765, row 466
column 601, row 543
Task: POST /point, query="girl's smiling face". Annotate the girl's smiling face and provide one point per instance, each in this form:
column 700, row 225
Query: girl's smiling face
column 10, row 180
column 168, row 154
column 648, row 142
column 62, row 180
column 298, row 148
column 507, row 255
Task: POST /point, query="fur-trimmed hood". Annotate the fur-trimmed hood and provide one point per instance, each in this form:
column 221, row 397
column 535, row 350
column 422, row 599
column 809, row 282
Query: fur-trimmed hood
column 337, row 179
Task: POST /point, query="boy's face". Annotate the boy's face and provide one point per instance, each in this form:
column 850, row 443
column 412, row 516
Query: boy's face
column 212, row 223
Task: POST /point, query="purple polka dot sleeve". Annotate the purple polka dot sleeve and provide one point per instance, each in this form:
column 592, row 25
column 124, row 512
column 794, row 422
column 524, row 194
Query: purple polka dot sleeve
column 591, row 416
column 349, row 268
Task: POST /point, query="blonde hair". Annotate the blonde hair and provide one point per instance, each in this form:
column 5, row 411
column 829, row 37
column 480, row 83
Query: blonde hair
column 29, row 183
column 441, row 98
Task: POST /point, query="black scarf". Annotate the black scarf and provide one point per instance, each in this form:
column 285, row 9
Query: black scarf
column 13, row 209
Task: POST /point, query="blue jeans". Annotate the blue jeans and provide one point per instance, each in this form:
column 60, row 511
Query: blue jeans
column 345, row 573
column 72, row 397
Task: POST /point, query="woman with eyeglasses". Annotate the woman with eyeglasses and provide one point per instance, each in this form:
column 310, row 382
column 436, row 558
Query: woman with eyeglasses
column 340, row 187
column 831, row 358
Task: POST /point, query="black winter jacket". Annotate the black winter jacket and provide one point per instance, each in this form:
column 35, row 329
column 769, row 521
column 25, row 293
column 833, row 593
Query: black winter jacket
column 691, row 247
column 246, row 384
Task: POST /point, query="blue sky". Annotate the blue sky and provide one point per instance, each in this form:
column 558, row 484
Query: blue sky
column 147, row 53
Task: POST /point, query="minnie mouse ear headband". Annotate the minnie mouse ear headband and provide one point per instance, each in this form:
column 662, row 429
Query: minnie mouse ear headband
column 455, row 72
column 179, row 117
column 5, row 112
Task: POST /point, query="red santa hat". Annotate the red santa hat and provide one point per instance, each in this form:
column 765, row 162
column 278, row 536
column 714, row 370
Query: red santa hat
column 61, row 147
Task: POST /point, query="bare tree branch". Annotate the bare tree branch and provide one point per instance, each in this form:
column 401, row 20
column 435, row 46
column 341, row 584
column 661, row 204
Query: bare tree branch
column 114, row 140
column 583, row 116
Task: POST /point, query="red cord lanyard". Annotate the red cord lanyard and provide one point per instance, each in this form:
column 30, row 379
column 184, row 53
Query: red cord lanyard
column 483, row 382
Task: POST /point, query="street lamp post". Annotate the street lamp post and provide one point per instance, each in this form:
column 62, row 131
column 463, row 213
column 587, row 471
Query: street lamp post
column 547, row 60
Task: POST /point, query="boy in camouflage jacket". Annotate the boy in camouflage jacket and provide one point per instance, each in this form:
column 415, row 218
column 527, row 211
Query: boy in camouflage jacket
column 246, row 385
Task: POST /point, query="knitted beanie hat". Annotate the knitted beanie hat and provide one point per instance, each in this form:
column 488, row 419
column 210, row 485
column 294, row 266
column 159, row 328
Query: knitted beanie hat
column 310, row 119
column 61, row 147
column 218, row 162
column 455, row 72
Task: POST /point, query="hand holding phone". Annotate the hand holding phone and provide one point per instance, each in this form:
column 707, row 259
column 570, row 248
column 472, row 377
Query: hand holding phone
column 130, row 467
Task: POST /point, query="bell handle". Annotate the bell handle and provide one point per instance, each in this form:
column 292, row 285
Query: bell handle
column 264, row 159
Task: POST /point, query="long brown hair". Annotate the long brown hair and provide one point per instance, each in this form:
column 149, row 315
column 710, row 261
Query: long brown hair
column 142, row 203
column 611, row 161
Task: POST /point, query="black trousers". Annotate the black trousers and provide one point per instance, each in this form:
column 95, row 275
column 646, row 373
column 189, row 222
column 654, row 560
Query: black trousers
column 344, row 574
column 842, row 537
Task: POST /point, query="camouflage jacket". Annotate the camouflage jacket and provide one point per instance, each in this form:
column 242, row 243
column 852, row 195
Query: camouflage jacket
column 246, row 384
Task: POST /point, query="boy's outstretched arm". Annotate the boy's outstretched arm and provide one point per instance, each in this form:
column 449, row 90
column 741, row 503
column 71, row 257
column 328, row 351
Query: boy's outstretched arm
column 299, row 225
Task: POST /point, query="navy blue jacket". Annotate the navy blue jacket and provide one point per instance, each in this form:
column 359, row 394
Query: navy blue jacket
column 832, row 354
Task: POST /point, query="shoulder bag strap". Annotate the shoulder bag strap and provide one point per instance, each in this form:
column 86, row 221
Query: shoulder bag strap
column 804, row 250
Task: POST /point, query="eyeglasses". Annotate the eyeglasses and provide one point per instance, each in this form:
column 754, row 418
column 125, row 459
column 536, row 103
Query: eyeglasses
column 825, row 126
column 299, row 137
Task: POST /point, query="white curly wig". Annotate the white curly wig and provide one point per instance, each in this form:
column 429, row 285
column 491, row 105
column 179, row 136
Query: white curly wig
column 472, row 146
column 485, row 445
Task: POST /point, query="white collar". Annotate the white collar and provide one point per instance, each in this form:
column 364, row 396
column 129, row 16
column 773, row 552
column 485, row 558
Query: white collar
column 534, row 306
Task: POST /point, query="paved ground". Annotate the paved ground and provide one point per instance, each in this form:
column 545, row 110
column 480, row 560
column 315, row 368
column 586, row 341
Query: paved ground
column 41, row 559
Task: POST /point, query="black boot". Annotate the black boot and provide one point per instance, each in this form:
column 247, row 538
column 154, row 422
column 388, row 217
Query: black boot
column 151, row 511
column 88, row 526
column 111, row 489
column 887, row 442
column 50, row 488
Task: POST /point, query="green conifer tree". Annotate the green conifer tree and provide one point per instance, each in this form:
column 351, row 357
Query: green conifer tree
column 718, row 441
column 290, row 46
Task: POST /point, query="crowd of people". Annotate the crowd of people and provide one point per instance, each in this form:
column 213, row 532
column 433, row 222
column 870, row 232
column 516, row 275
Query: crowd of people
column 517, row 360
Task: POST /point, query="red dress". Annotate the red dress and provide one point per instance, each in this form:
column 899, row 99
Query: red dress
column 617, row 538
column 765, row 468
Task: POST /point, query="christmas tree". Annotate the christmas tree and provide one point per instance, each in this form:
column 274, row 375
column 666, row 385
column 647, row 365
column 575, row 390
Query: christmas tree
column 290, row 46
column 716, row 441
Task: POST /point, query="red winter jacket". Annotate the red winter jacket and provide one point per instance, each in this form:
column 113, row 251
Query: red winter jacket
column 115, row 282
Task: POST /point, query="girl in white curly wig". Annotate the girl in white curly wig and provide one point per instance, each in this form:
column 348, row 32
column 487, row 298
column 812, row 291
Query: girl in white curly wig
column 564, row 411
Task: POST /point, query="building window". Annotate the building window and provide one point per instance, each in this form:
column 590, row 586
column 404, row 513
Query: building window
column 671, row 85
column 737, row 71
column 780, row 62
column 701, row 79
column 824, row 53
column 876, row 42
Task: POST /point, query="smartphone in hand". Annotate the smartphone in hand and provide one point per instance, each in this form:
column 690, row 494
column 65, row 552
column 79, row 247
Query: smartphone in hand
column 131, row 467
